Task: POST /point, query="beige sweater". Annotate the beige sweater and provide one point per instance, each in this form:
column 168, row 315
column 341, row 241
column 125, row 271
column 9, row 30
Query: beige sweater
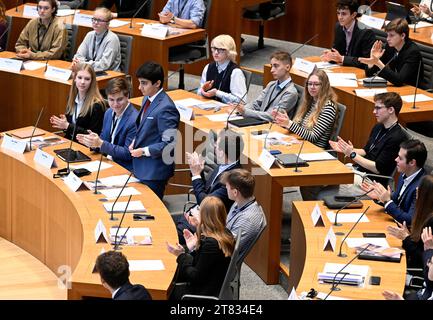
column 52, row 45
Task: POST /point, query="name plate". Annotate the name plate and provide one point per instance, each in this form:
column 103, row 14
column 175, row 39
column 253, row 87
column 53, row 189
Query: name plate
column 11, row 65
column 30, row 11
column 100, row 233
column 154, row 31
column 73, row 182
column 13, row 144
column 185, row 112
column 58, row 73
column 316, row 216
column 83, row 19
column 372, row 22
column 44, row 159
column 266, row 159
column 330, row 241
column 304, row 65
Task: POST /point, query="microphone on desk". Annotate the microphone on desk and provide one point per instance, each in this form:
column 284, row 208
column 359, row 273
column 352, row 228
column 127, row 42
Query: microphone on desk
column 369, row 82
column 97, row 174
column 297, row 158
column 34, row 128
column 334, row 285
column 366, row 9
column 342, row 255
column 16, row 5
column 305, row 43
column 116, row 243
column 136, row 12
column 347, row 205
column 112, row 218
column 270, row 127
column 3, row 34
column 231, row 112
column 46, row 64
column 417, row 82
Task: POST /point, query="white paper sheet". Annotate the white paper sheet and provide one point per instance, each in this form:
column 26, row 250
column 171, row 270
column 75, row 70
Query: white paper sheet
column 118, row 23
column 346, row 217
column 326, row 65
column 353, row 269
column 419, row 98
column 222, row 117
column 357, row 242
column 146, row 265
column 117, row 180
column 342, row 79
column 92, row 166
column 369, row 92
column 33, row 65
column 119, row 207
column 114, row 193
column 65, row 12
column 317, row 156
column 189, row 102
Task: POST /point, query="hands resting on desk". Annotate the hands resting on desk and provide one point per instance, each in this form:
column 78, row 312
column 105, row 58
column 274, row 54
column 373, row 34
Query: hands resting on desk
column 332, row 55
column 25, row 54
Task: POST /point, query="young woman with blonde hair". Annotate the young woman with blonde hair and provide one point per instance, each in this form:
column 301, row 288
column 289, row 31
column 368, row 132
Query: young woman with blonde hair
column 3, row 26
column 222, row 79
column 205, row 267
column 316, row 117
column 85, row 107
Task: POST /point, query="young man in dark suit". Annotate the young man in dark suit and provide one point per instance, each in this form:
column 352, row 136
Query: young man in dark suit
column 127, row 8
column 118, row 129
column 401, row 54
column 401, row 203
column 113, row 269
column 352, row 39
column 152, row 149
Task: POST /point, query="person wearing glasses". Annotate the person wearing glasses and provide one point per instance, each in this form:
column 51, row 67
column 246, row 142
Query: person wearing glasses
column 280, row 94
column 43, row 38
column 85, row 108
column 101, row 47
column 315, row 119
column 128, row 8
column 187, row 14
column 222, row 79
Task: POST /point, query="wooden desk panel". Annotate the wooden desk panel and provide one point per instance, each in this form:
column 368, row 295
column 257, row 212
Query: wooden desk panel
column 57, row 225
column 264, row 259
column 307, row 257
column 29, row 91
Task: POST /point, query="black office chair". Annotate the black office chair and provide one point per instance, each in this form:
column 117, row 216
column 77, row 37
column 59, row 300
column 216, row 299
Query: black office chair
column 265, row 12
column 72, row 30
column 7, row 35
column 227, row 291
column 248, row 76
column 341, row 111
column 125, row 51
column 192, row 52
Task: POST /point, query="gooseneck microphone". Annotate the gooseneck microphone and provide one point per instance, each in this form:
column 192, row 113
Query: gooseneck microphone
column 348, row 204
column 66, row 171
column 305, row 43
column 297, row 158
column 116, row 243
column 334, row 285
column 231, row 112
column 136, row 12
column 112, row 218
column 370, row 82
column 367, row 8
column 417, row 82
column 97, row 174
column 34, row 128
column 270, row 127
column 343, row 255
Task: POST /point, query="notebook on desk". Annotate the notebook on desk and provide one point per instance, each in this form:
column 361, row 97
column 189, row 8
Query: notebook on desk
column 247, row 122
column 396, row 10
column 290, row 160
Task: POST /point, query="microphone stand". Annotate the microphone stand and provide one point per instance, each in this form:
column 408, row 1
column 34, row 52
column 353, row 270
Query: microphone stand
column 343, row 255
column 112, row 218
column 270, row 127
column 297, row 158
column 231, row 112
column 34, row 128
column 136, row 12
column 416, row 87
column 306, row 42
column 97, row 175
column 116, row 244
column 370, row 82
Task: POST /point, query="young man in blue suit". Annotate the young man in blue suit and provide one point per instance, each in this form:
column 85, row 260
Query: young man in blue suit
column 118, row 129
column 157, row 122
column 401, row 203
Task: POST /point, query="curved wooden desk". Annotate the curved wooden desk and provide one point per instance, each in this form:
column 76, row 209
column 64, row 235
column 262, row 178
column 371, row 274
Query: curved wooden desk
column 307, row 257
column 44, row 217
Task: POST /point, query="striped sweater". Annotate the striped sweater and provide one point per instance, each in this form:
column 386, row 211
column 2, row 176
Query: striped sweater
column 321, row 132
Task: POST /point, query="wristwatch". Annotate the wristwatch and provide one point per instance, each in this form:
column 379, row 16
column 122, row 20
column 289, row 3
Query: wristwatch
column 172, row 20
column 352, row 155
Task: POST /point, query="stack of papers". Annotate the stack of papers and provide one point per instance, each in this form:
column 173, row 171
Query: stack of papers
column 377, row 252
column 346, row 217
column 222, row 117
column 114, row 193
column 92, row 166
column 131, row 236
column 339, row 79
column 120, row 206
column 317, row 156
column 419, row 98
column 111, row 182
column 204, row 105
column 351, row 274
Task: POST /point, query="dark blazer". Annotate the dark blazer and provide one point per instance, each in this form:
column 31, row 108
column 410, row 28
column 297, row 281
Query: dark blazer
column 128, row 8
column 428, row 292
column 403, row 209
column 415, row 250
column 157, row 131
column 204, row 187
column 91, row 121
column 360, row 44
column 132, row 292
column 404, row 68
column 204, row 270
column 125, row 133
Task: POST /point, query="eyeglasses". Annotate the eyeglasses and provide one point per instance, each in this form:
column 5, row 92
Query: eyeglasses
column 96, row 20
column 314, row 84
column 43, row 8
column 219, row 50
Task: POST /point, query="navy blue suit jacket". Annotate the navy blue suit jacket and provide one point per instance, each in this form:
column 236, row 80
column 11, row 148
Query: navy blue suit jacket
column 125, row 134
column 203, row 187
column 403, row 209
column 132, row 292
column 157, row 131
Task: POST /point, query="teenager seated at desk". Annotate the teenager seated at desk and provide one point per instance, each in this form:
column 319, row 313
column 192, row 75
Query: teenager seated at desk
column 352, row 39
column 315, row 119
column 118, row 129
column 187, row 14
column 279, row 94
column 128, row 8
column 398, row 63
column 222, row 79
column 101, row 47
column 45, row 37
column 85, row 108
column 205, row 266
